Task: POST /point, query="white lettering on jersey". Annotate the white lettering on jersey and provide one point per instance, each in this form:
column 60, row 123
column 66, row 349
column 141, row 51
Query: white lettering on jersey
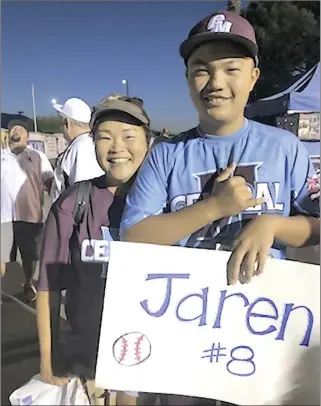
column 249, row 171
column 95, row 251
column 219, row 24
column 278, row 206
column 262, row 190
column 182, row 201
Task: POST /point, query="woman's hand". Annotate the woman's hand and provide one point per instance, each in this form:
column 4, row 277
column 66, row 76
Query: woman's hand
column 126, row 400
column 48, row 377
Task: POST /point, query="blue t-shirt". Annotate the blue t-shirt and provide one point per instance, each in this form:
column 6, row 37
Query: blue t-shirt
column 176, row 174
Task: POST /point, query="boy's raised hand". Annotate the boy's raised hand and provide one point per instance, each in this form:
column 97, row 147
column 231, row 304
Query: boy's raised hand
column 231, row 194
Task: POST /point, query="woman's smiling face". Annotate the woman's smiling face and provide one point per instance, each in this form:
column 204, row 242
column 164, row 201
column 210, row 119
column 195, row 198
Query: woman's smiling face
column 120, row 149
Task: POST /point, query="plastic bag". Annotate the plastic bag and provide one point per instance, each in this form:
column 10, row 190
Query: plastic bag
column 37, row 392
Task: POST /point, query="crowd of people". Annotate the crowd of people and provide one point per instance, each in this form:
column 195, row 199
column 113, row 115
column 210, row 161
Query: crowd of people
column 230, row 183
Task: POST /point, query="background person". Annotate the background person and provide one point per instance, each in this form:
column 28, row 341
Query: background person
column 25, row 175
column 78, row 162
column 12, row 178
column 121, row 135
column 165, row 133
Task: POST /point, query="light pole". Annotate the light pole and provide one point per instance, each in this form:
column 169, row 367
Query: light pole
column 34, row 107
column 125, row 82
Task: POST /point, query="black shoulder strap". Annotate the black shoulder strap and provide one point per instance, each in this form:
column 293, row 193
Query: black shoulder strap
column 82, row 200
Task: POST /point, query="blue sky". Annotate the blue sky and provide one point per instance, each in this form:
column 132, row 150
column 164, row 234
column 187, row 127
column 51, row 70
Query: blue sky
column 84, row 49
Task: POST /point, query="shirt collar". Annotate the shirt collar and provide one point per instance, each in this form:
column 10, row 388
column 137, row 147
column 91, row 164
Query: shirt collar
column 80, row 138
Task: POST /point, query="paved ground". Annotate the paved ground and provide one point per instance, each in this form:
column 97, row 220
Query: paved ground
column 19, row 342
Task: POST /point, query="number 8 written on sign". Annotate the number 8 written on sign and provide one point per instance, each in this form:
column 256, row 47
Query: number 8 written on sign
column 241, row 362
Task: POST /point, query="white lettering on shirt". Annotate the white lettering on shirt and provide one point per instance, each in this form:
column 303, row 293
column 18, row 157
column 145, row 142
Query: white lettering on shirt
column 95, row 251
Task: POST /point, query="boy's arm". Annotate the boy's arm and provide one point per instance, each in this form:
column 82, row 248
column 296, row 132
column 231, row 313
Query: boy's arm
column 299, row 230
column 143, row 223
column 168, row 229
column 254, row 243
column 302, row 227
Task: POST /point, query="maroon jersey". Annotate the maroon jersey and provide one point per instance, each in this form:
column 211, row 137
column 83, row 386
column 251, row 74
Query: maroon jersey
column 77, row 260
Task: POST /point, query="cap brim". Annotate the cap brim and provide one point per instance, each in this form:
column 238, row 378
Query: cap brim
column 109, row 110
column 189, row 45
column 58, row 107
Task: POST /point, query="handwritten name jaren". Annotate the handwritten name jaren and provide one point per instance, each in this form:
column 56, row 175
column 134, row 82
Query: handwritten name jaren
column 250, row 312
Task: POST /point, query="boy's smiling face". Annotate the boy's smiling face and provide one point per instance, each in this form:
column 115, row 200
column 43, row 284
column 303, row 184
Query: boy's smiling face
column 220, row 79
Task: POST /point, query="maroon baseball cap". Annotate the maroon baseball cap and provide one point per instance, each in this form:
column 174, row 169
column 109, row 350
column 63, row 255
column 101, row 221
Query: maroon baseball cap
column 222, row 25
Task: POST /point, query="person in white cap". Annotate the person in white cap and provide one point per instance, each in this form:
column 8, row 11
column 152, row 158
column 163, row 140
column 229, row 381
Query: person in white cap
column 78, row 162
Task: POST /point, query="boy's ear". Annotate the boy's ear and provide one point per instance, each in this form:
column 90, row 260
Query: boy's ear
column 255, row 76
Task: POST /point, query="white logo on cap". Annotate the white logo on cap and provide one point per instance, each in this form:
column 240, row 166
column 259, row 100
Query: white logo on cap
column 218, row 24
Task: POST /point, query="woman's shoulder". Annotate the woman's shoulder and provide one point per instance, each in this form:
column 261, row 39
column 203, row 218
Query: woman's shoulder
column 99, row 195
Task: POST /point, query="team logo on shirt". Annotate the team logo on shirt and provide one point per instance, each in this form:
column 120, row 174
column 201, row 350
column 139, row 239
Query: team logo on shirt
column 228, row 226
column 97, row 251
column 249, row 171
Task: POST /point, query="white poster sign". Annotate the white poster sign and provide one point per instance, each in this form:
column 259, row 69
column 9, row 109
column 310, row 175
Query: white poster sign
column 172, row 325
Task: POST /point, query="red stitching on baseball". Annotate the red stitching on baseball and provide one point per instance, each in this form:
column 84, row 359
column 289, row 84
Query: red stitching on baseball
column 124, row 349
column 137, row 347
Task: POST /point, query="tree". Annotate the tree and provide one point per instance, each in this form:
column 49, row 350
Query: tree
column 313, row 6
column 288, row 36
column 49, row 124
column 234, row 5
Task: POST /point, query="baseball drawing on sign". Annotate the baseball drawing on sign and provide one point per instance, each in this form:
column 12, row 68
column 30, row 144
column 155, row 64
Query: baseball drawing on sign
column 131, row 349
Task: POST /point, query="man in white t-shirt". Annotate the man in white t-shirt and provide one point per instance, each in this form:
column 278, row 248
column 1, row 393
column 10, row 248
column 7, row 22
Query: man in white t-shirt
column 25, row 175
column 78, row 162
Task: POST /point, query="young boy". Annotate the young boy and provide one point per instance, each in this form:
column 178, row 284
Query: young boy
column 229, row 183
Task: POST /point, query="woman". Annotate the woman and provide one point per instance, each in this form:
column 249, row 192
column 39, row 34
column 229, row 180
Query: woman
column 71, row 257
